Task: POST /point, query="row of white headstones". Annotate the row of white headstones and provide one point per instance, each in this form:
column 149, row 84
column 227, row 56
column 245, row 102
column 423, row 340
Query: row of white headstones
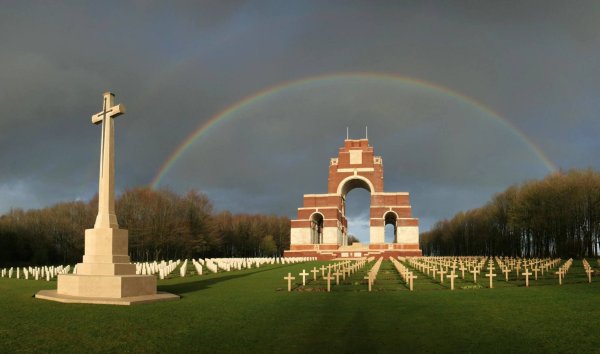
column 214, row 265
column 37, row 273
column 162, row 269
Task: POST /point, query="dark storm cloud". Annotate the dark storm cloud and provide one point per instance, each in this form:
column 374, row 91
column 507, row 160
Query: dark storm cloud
column 177, row 64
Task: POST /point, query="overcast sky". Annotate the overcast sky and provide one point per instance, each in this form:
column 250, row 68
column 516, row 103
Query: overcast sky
column 177, row 64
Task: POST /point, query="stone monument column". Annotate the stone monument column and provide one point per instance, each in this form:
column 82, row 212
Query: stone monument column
column 106, row 275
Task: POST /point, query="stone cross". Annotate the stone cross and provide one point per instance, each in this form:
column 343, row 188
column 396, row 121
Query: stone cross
column 506, row 271
column 589, row 272
column 560, row 275
column 536, row 270
column 370, row 279
column 346, row 272
column 289, row 278
column 106, row 193
column 303, row 275
column 491, row 275
column 314, row 271
column 474, row 272
column 410, row 278
column 527, row 274
column 462, row 269
column 328, row 278
column 337, row 277
column 452, row 276
column 442, row 272
column 322, row 271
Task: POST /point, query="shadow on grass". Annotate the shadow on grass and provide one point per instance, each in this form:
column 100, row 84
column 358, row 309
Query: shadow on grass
column 204, row 283
column 358, row 335
column 355, row 335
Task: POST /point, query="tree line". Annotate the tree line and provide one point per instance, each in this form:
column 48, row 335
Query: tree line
column 161, row 225
column 558, row 216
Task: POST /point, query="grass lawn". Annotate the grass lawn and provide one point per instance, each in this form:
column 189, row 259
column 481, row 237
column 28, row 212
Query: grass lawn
column 251, row 311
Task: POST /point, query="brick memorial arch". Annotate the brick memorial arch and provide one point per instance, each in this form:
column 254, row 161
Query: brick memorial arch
column 321, row 226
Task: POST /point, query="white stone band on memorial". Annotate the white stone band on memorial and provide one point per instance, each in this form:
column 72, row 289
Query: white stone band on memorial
column 106, row 275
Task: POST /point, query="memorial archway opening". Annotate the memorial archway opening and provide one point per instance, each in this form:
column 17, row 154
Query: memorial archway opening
column 357, row 205
column 391, row 227
column 316, row 227
column 321, row 227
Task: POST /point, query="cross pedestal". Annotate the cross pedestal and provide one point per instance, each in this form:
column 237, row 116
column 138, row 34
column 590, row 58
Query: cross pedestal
column 106, row 275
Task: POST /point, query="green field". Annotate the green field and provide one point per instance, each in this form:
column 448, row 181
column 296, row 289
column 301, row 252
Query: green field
column 251, row 311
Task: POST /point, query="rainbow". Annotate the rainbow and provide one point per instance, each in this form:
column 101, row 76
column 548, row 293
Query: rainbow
column 231, row 110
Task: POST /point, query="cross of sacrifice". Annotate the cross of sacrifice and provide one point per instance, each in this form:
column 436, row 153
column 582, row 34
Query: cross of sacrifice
column 328, row 278
column 527, row 274
column 106, row 195
column 289, row 278
column 452, row 276
column 303, row 275
column 491, row 275
column 314, row 271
